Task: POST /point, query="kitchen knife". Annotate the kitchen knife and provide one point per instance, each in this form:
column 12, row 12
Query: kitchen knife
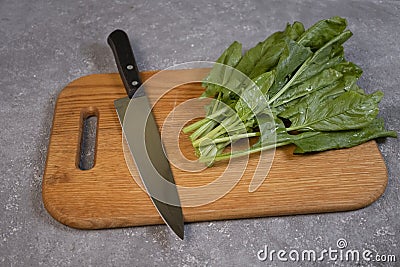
column 142, row 136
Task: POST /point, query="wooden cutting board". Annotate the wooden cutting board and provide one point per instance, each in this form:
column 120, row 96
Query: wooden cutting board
column 107, row 196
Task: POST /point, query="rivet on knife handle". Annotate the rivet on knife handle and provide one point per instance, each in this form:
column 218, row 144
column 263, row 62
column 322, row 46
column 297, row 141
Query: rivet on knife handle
column 125, row 61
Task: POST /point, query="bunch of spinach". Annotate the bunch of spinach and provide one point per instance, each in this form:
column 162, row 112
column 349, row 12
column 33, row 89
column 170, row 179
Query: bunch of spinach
column 302, row 82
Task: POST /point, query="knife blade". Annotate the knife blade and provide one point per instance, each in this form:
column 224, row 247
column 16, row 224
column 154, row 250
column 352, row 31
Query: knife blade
column 143, row 138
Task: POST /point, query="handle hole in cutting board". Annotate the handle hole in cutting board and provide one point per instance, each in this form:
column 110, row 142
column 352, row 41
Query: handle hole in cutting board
column 88, row 138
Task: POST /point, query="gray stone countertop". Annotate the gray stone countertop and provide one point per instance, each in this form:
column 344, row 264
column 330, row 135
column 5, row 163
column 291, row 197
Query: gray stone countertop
column 46, row 44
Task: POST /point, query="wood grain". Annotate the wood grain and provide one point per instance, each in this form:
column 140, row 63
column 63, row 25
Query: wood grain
column 106, row 196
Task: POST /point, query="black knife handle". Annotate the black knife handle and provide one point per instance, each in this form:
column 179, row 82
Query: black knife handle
column 119, row 42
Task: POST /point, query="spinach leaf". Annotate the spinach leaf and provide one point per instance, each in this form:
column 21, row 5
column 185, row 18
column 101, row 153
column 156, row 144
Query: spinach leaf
column 265, row 81
column 321, row 32
column 342, row 139
column 294, row 31
column 218, row 74
column 348, row 69
column 273, row 131
column 232, row 55
column 332, row 47
column 315, row 83
column 315, row 67
column 303, row 72
column 342, row 77
column 256, row 60
column 252, row 101
column 265, row 55
column 350, row 110
column 291, row 58
column 294, row 108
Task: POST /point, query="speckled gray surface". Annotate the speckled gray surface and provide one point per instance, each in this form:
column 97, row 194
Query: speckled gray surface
column 46, row 44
